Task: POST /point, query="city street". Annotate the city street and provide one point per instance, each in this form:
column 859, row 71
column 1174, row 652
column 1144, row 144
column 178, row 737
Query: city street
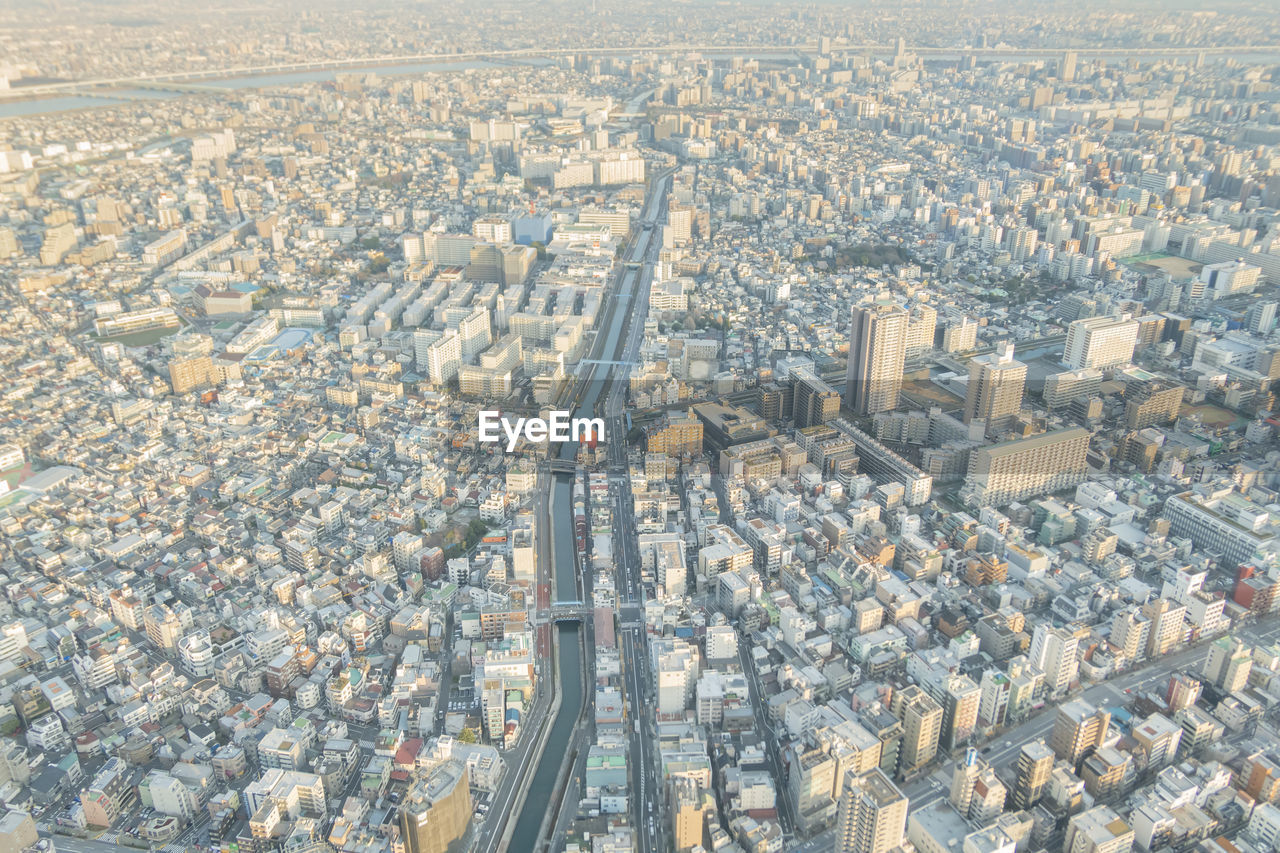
column 1119, row 690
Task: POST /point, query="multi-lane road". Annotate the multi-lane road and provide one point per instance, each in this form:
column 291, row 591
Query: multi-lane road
column 647, row 801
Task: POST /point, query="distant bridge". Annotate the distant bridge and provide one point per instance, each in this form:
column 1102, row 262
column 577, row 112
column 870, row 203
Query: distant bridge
column 513, row 56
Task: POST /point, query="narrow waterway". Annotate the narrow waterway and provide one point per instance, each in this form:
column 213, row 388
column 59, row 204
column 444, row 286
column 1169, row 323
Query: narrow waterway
column 542, row 787
column 565, row 587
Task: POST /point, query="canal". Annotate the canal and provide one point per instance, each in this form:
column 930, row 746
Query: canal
column 542, row 787
column 542, row 791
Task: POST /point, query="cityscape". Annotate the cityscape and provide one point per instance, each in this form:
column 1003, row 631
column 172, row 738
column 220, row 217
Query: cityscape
column 600, row 427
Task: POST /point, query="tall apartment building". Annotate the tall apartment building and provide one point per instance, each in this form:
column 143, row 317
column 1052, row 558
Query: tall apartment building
column 474, row 333
column 191, row 365
column 1260, row 777
column 810, row 785
column 1078, row 730
column 921, row 718
column 1027, row 467
column 1130, row 629
column 814, row 401
column 492, row 229
column 872, row 814
column 960, row 336
column 1053, row 652
column 164, row 249
column 976, row 792
column 111, row 793
column 1100, row 342
column 922, row 324
column 437, row 355
column 690, row 807
column 1061, row 388
column 436, row 809
column 1229, row 278
column 995, row 389
column 1151, row 402
column 677, row 434
column 877, row 347
column 1159, row 737
column 1035, row 764
column 1166, row 632
column 1259, row 319
column 1228, row 665
column 885, row 466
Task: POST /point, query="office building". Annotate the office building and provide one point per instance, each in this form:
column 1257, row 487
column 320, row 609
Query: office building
column 877, row 347
column 1222, row 523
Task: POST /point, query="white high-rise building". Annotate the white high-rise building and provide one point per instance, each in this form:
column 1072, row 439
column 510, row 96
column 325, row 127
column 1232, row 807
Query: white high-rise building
column 492, row 229
column 1053, row 652
column 675, row 664
column 437, row 355
column 474, row 334
column 406, row 548
column 1100, row 342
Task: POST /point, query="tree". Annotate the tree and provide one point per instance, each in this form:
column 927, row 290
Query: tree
column 467, row 735
column 475, row 532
